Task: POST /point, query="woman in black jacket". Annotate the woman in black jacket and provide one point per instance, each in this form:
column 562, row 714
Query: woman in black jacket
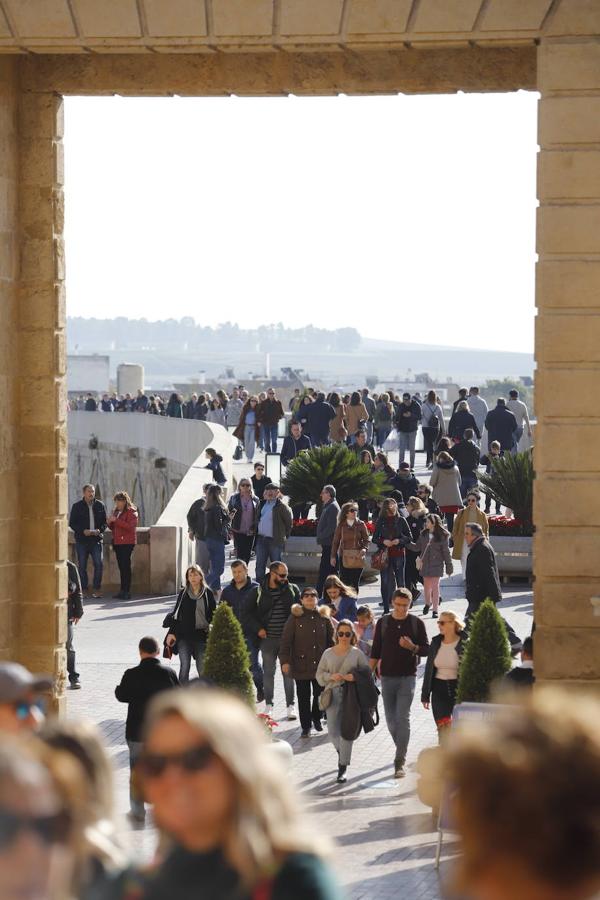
column 392, row 534
column 441, row 670
column 190, row 622
column 460, row 420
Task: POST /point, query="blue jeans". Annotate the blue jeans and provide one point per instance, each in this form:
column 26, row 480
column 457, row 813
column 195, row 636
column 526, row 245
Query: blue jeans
column 94, row 550
column 266, row 550
column 270, row 438
column 517, row 435
column 398, row 692
column 216, row 553
column 269, row 648
column 136, row 802
column 188, row 649
column 382, row 433
column 392, row 577
column 255, row 666
column 466, row 483
column 249, row 441
column 407, row 441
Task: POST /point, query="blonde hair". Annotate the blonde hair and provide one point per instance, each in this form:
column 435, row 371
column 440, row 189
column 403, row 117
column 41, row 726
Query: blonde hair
column 266, row 823
column 459, row 625
column 349, row 624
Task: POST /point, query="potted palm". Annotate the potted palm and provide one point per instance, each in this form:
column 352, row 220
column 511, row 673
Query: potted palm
column 303, row 483
column 510, row 483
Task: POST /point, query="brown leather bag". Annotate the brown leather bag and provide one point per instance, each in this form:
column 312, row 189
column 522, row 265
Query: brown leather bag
column 353, row 559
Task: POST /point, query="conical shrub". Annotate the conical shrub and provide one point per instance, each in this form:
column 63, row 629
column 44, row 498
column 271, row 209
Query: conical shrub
column 336, row 465
column 486, row 657
column 510, row 483
column 226, row 661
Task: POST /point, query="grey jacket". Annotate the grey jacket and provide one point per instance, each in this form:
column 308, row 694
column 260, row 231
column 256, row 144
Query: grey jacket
column 327, row 523
column 434, row 555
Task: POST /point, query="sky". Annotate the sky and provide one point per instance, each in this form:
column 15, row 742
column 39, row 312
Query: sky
column 406, row 217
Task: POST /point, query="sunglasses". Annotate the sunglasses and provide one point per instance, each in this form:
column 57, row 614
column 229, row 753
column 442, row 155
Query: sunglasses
column 344, row 634
column 196, row 759
column 309, row 594
column 49, row 829
column 352, row 510
column 471, row 500
column 23, row 708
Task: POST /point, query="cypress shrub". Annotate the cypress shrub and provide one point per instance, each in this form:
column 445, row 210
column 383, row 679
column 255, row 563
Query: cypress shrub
column 486, row 657
column 226, row 661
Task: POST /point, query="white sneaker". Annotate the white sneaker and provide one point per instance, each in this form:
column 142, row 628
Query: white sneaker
column 269, row 709
column 291, row 713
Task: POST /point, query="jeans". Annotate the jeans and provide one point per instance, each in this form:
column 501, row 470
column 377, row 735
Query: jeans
column 94, row 550
column 255, row 666
column 202, row 557
column 187, row 649
column 369, row 427
column 325, row 568
column 398, row 692
column 334, row 727
column 216, row 553
column 136, row 802
column 517, row 435
column 270, row 438
column 243, row 544
column 73, row 674
column 269, row 647
column 391, row 578
column 250, row 441
column 308, row 712
column 466, row 483
column 266, row 550
column 123, row 555
column 407, row 441
column 382, row 434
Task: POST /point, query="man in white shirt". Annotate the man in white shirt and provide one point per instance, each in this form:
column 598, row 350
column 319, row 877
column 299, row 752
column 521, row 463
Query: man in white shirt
column 521, row 414
column 478, row 407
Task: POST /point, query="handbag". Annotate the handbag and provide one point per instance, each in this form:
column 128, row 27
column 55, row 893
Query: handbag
column 380, row 559
column 419, row 560
column 353, row 559
column 325, row 699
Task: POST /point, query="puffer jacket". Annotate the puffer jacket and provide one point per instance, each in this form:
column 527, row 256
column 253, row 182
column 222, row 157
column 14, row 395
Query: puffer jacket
column 306, row 636
column 445, row 481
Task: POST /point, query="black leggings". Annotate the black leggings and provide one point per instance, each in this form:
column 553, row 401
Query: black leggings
column 351, row 577
column 243, row 544
column 123, row 554
column 309, row 712
column 443, row 698
column 429, row 440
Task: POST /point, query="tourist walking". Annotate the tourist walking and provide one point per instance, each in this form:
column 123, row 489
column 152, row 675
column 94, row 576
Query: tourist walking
column 441, row 670
column 382, row 419
column 307, row 634
column 216, row 534
column 319, row 416
column 478, row 407
column 357, row 416
column 336, row 667
column 434, row 554
column 247, row 429
column 501, row 426
column 88, row 520
column 326, row 526
column 487, row 460
column 433, row 426
column 294, row 443
column 270, row 411
column 350, row 541
column 483, row 580
column 214, row 464
column 74, row 614
column 400, row 639
column 445, row 481
column 337, row 427
column 340, row 598
column 243, row 510
column 416, row 512
column 174, row 407
column 405, row 481
column 138, row 686
column 240, row 595
column 273, row 529
column 470, row 513
column 460, row 420
column 424, row 495
column 216, row 413
column 196, row 529
column 467, row 454
column 189, row 623
column 259, row 480
column 392, row 535
column 123, row 522
column 408, row 416
column 267, row 610
column 521, row 414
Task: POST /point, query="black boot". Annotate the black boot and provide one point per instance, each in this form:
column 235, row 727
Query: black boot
column 341, row 778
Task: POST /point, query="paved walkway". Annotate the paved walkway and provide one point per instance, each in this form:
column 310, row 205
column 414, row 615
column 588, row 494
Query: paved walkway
column 385, row 838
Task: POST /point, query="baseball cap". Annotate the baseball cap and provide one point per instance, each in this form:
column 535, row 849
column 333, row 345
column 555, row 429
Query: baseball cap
column 16, row 682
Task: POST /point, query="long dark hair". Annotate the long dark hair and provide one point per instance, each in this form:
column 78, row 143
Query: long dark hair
column 123, row 495
column 439, row 530
column 355, row 399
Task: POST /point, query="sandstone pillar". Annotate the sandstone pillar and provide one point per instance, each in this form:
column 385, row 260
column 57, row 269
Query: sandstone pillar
column 567, row 460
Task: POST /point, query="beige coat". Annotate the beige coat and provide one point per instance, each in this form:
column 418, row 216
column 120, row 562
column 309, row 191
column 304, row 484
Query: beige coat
column 354, row 414
column 458, row 530
column 337, row 428
column 445, row 482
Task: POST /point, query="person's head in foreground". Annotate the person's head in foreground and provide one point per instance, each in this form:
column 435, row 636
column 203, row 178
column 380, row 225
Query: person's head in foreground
column 20, row 698
column 526, row 800
column 221, row 796
column 35, row 829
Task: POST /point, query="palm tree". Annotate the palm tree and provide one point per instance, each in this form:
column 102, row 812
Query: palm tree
column 510, row 484
column 336, row 465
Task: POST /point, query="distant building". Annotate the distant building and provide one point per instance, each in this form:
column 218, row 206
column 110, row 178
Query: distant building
column 88, row 374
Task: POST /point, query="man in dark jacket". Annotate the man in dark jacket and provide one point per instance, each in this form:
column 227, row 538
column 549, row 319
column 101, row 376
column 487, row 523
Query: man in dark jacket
column 482, row 579
column 466, row 453
column 407, row 421
column 240, row 590
column 325, row 530
column 361, row 443
column 318, row 418
column 197, row 530
column 268, row 609
column 74, row 614
column 138, row 686
column 294, row 444
column 88, row 521
column 406, row 482
column 424, row 494
column 522, row 676
column 501, row 425
column 273, row 529
column 269, row 412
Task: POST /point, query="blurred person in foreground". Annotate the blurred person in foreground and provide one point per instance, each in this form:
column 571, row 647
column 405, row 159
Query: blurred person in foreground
column 526, row 800
column 21, row 698
column 226, row 807
column 36, row 831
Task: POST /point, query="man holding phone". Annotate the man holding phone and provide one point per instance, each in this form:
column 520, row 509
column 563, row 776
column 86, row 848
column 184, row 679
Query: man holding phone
column 88, row 521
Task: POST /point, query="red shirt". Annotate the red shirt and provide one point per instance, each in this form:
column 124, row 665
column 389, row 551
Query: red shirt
column 123, row 527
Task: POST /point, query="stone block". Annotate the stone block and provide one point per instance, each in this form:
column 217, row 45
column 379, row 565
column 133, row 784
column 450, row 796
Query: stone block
column 379, row 17
column 567, row 651
column 559, row 492
column 181, row 18
column 40, row 540
column 568, row 66
column 575, row 17
column 37, row 356
column 243, row 17
column 569, row 283
column 42, row 162
column 568, row 120
column 567, row 448
column 37, row 487
column 41, row 401
column 38, row 262
column 559, row 553
column 567, row 337
column 569, row 175
column 513, row 15
column 568, row 229
column 565, row 605
column 453, row 15
column 164, row 546
column 39, row 621
column 9, row 542
column 41, row 306
column 41, row 114
column 565, row 393
column 310, row 17
column 38, row 440
column 111, row 18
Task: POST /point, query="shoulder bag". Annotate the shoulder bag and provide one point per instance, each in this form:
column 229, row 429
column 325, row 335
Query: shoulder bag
column 353, row 558
column 422, row 557
column 380, row 559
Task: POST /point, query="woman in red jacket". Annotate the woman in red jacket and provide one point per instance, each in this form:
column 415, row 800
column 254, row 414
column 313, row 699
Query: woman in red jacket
column 123, row 523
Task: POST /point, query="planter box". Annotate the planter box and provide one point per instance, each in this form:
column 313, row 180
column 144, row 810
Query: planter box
column 514, row 555
column 302, row 556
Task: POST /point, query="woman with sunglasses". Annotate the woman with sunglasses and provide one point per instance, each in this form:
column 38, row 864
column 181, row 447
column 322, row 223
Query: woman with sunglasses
column 350, row 540
column 337, row 666
column 392, row 534
column 441, row 670
column 189, row 622
column 307, row 634
column 243, row 509
column 470, row 513
column 227, row 812
column 248, row 429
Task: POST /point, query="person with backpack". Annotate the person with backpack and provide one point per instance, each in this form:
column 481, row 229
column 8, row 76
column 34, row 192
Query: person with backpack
column 216, row 534
column 433, row 425
column 400, row 639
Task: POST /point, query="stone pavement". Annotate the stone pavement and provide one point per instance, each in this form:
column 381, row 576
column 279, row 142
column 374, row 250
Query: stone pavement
column 384, row 837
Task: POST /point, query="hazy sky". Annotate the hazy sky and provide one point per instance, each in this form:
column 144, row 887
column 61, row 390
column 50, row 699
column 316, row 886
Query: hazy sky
column 406, row 217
